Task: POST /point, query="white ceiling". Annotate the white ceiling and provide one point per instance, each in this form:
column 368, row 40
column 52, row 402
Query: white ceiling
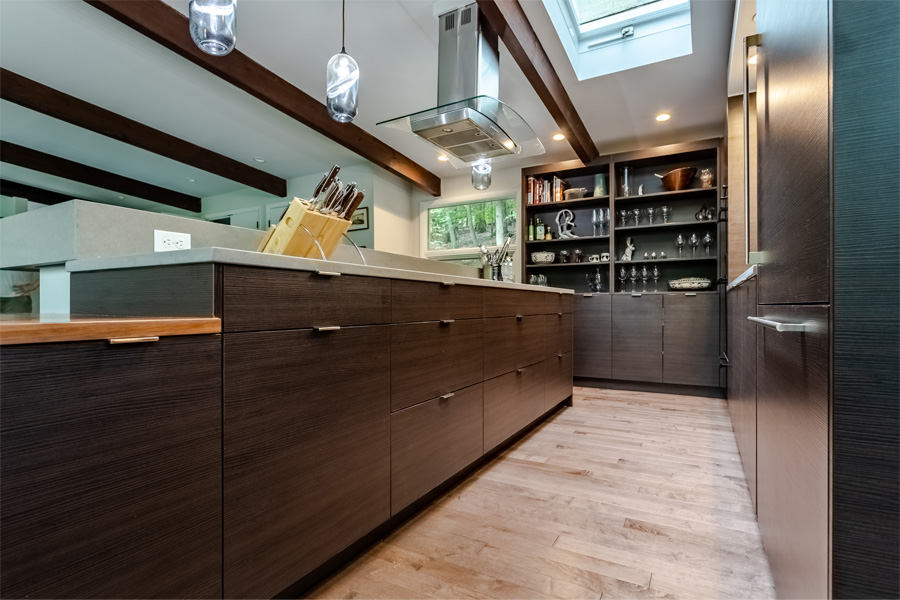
column 73, row 47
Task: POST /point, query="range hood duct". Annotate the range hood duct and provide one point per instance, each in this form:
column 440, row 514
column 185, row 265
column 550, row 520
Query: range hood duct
column 468, row 67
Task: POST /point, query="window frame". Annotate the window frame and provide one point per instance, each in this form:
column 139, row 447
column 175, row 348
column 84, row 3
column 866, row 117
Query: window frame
column 462, row 253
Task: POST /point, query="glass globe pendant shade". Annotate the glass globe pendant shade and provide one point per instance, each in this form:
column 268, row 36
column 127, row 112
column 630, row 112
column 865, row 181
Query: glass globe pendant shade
column 342, row 87
column 481, row 176
column 213, row 25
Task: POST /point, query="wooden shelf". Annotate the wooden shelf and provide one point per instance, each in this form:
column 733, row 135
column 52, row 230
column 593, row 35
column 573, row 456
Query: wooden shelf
column 663, row 195
column 571, row 240
column 581, row 264
column 663, row 261
column 566, row 203
column 662, row 225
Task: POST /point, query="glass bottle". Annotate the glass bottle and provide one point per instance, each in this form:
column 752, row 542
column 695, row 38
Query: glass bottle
column 539, row 229
column 626, row 181
column 212, row 25
column 531, row 229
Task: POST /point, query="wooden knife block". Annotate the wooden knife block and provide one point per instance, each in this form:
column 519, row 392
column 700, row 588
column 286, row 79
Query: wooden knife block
column 290, row 239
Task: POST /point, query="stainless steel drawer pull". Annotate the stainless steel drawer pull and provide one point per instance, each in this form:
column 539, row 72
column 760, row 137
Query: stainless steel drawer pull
column 519, row 317
column 559, row 315
column 633, row 295
column 691, row 294
column 520, row 371
column 447, row 321
column 779, row 327
column 134, row 340
column 448, row 396
column 329, row 328
column 559, row 355
column 328, row 273
column 448, row 283
column 588, row 295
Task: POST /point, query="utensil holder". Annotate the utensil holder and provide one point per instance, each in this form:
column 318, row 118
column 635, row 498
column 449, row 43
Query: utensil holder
column 289, row 237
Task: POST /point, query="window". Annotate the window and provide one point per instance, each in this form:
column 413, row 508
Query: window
column 606, row 36
column 454, row 233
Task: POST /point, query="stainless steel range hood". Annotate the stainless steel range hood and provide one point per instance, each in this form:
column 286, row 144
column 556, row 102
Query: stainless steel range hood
column 470, row 125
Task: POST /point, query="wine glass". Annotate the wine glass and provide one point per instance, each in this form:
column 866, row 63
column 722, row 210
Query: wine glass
column 665, row 211
column 707, row 241
column 637, row 215
column 623, row 275
column 694, row 242
column 651, row 212
column 623, row 215
column 604, row 221
column 645, row 275
column 679, row 243
column 655, row 275
column 633, row 277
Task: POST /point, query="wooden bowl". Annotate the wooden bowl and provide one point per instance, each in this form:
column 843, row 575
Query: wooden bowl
column 679, row 179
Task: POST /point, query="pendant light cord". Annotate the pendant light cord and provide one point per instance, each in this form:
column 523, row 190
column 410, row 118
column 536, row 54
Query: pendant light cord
column 343, row 24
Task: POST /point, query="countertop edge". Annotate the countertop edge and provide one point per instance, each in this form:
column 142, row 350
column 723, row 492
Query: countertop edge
column 14, row 333
column 744, row 277
column 258, row 259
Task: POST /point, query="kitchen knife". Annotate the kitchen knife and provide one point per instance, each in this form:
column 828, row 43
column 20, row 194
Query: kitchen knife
column 348, row 194
column 326, row 181
column 354, row 204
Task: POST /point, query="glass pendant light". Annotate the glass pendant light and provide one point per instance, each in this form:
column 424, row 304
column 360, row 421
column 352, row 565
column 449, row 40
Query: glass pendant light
column 342, row 81
column 212, row 25
column 481, row 176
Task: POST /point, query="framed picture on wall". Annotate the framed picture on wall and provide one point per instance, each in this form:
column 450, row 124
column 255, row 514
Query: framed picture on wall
column 360, row 219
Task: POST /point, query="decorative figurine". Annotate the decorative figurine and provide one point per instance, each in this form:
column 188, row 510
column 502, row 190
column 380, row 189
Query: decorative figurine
column 653, row 255
column 629, row 249
column 641, row 190
column 565, row 221
column 706, row 178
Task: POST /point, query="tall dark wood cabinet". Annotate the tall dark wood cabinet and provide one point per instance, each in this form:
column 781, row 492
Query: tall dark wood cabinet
column 110, row 483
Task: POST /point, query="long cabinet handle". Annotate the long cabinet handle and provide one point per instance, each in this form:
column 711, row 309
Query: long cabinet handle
column 134, row 340
column 448, row 396
column 328, row 273
column 780, row 327
column 329, row 328
column 749, row 41
column 447, row 321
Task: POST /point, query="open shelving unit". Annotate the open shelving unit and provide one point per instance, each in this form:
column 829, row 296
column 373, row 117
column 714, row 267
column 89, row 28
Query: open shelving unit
column 658, row 237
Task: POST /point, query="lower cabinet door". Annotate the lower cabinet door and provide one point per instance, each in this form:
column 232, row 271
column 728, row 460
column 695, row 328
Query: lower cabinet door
column 511, row 343
column 511, row 402
column 558, row 334
column 306, row 450
column 792, row 450
column 558, row 379
column 110, row 483
column 432, row 441
column 637, row 337
column 593, row 336
column 691, row 339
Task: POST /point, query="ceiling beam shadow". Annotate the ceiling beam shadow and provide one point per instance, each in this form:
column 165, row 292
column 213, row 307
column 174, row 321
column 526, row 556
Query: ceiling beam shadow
column 61, row 167
column 14, row 189
column 168, row 27
column 59, row 105
column 508, row 19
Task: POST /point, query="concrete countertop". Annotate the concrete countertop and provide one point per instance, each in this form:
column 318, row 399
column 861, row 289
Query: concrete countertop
column 258, row 259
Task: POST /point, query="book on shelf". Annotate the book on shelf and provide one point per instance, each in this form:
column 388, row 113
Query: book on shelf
column 545, row 191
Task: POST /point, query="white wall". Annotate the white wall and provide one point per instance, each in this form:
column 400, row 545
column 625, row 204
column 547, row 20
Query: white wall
column 394, row 217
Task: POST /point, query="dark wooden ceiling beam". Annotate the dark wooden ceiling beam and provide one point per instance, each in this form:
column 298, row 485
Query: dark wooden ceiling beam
column 61, row 167
column 59, row 105
column 508, row 19
column 168, row 27
column 14, row 189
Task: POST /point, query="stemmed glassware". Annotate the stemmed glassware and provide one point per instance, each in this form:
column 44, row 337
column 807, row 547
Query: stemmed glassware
column 633, row 277
column 651, row 212
column 679, row 243
column 623, row 215
column 623, row 275
column 665, row 211
column 694, row 241
column 604, row 226
column 637, row 215
column 655, row 275
column 645, row 275
column 707, row 241
column 597, row 221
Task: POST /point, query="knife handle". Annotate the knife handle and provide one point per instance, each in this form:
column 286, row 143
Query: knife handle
column 354, row 205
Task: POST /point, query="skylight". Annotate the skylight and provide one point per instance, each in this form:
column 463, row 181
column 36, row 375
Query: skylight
column 606, row 36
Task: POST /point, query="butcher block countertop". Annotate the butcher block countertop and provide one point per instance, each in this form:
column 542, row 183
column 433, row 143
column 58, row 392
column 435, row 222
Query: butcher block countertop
column 34, row 329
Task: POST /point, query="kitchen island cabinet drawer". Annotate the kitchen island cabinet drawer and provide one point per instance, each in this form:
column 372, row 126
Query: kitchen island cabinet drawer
column 511, row 402
column 431, row 359
column 499, row 302
column 426, row 301
column 110, row 483
column 557, row 379
column 432, row 441
column 306, row 450
column 259, row 299
column 556, row 303
column 558, row 334
column 511, row 343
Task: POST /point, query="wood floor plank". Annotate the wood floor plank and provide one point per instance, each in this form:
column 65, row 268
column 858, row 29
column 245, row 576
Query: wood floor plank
column 624, row 495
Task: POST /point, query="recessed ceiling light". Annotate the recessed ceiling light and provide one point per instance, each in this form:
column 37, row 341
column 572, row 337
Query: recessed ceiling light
column 120, row 197
column 559, row 137
column 259, row 159
column 753, row 59
column 190, row 179
column 663, row 117
column 443, row 157
column 509, row 144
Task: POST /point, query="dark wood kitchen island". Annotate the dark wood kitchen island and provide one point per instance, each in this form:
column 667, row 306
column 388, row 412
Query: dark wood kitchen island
column 337, row 401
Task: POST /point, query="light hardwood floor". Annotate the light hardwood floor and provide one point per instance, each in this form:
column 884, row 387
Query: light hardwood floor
column 624, row 495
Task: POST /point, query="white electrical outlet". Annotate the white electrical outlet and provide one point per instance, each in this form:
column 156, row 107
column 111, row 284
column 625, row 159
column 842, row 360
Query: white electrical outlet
column 165, row 241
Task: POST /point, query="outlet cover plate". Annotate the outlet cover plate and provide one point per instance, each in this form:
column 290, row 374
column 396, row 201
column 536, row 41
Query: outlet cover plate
column 167, row 241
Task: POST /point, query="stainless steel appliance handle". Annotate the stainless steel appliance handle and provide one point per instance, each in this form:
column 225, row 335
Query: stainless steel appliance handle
column 780, row 327
column 749, row 41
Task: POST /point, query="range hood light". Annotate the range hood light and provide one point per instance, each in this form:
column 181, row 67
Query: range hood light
column 481, row 176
